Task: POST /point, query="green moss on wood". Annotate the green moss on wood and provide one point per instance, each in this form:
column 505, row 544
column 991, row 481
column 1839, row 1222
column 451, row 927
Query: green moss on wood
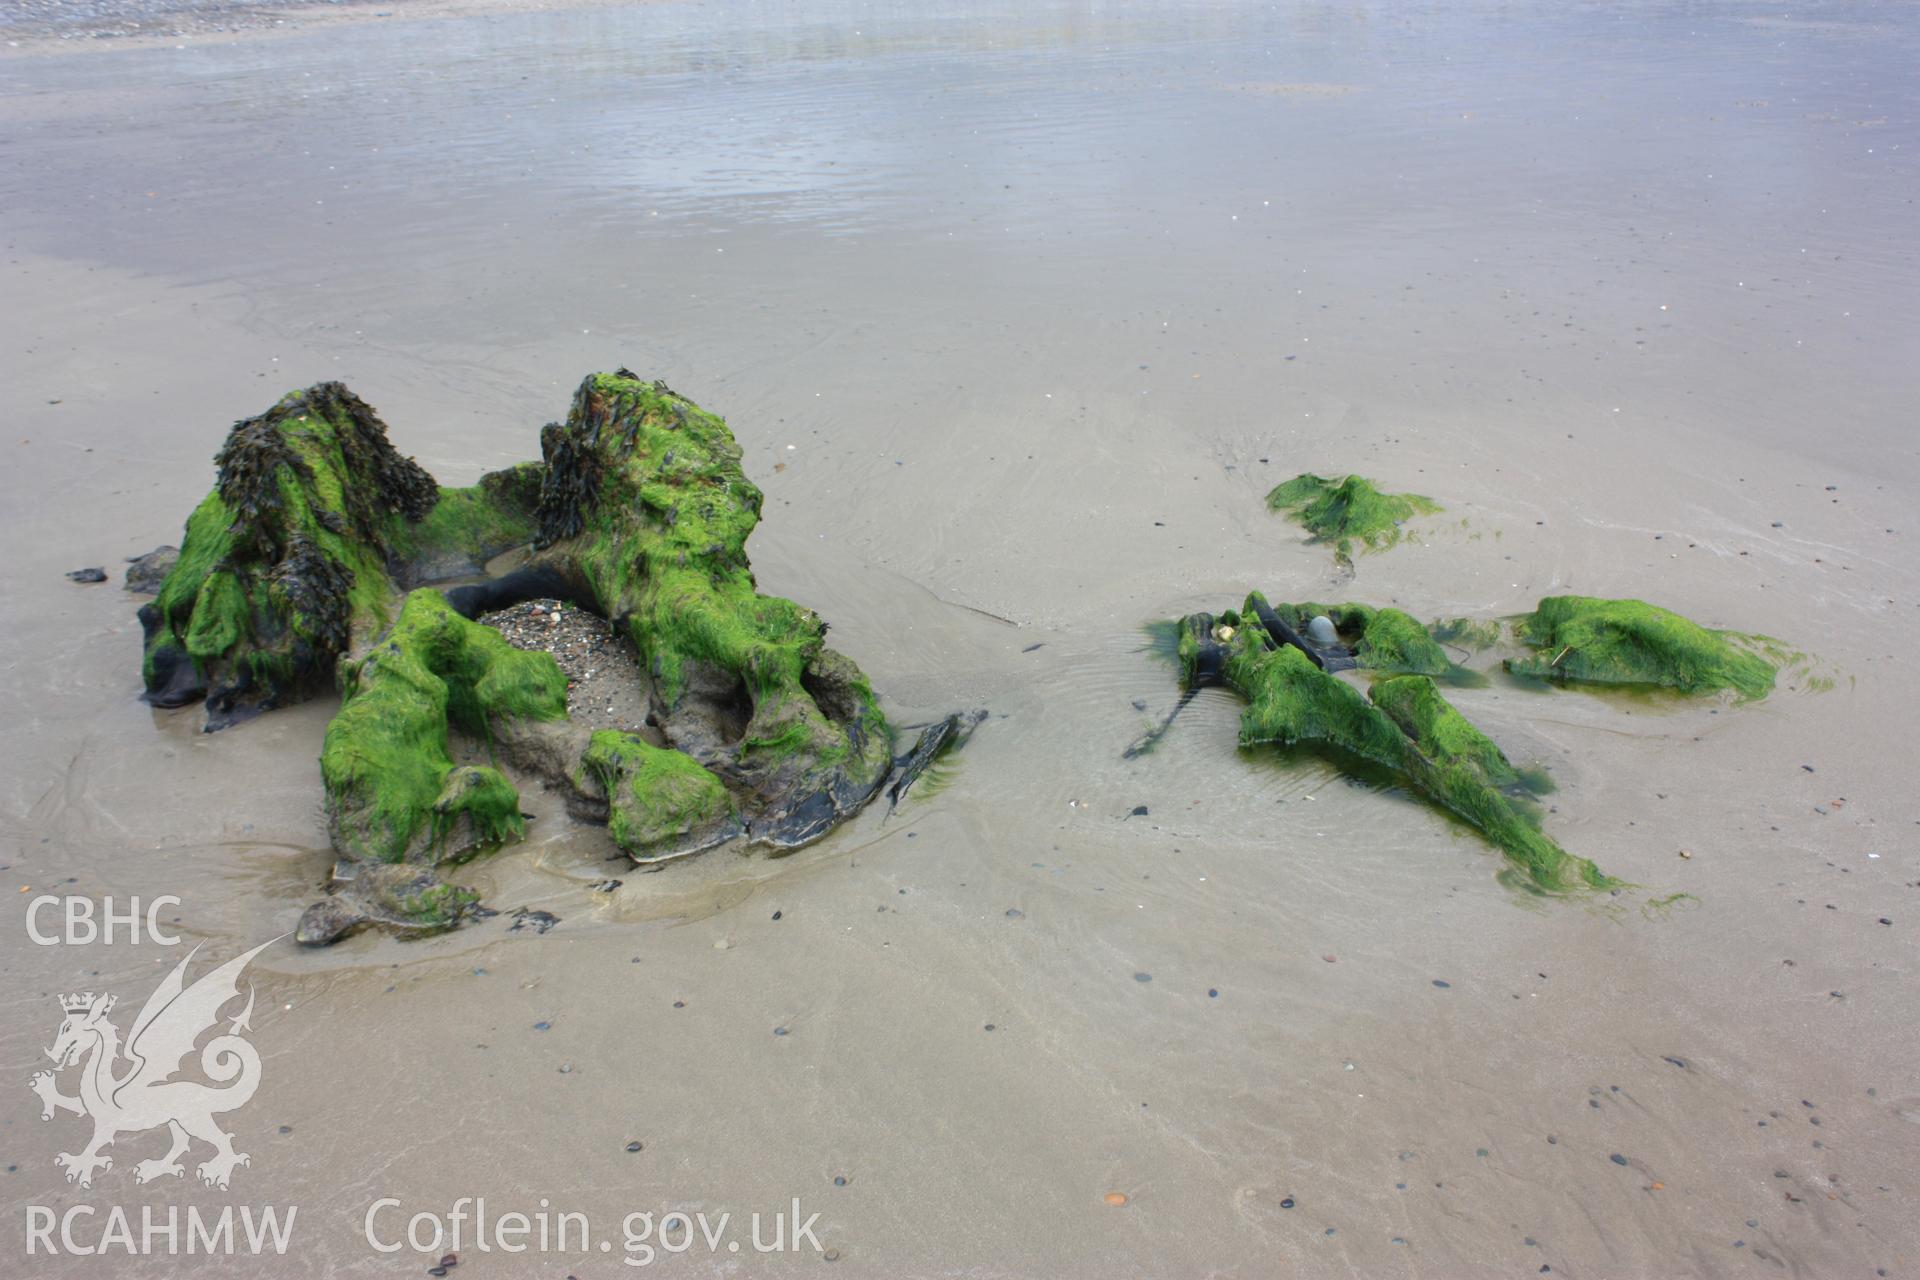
column 1407, row 729
column 1629, row 642
column 1439, row 731
column 438, row 906
column 651, row 486
column 1381, row 639
column 644, row 499
column 1348, row 510
column 468, row 527
column 639, row 508
column 295, row 553
column 655, row 796
column 393, row 791
column 1291, row 702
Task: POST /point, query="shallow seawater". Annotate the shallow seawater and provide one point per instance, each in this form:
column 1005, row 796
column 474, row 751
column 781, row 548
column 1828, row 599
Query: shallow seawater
column 1018, row 312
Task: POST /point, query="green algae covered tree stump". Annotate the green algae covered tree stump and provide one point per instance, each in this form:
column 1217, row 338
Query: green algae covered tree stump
column 644, row 515
column 306, row 570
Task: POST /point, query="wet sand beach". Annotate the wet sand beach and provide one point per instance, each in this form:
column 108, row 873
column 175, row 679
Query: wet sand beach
column 1017, row 313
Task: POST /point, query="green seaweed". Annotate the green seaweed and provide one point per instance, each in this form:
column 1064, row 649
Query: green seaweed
column 1468, row 633
column 1630, row 642
column 1348, row 510
column 1162, row 640
column 1662, row 907
column 468, row 527
column 295, row 553
column 654, row 795
column 1381, row 639
column 1441, row 732
column 1473, row 778
column 393, row 791
column 645, row 499
column 438, row 906
column 1407, row 728
column 1290, row 701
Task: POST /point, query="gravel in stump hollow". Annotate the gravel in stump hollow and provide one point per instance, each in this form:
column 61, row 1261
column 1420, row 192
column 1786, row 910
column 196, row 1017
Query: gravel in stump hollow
column 605, row 689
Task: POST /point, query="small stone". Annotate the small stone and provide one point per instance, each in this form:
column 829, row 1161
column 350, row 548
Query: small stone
column 779, row 1031
column 777, row 915
column 1143, row 977
column 1213, row 993
column 146, row 573
column 1442, row 983
column 543, row 1026
column 840, row 1180
column 1139, row 811
column 1287, row 1203
column 634, row 1146
column 87, row 576
column 1618, row 1159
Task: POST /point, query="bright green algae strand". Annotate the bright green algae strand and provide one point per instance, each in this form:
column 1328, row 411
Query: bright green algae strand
column 1438, row 730
column 654, row 795
column 1348, row 510
column 393, row 790
column 1408, row 728
column 1631, row 642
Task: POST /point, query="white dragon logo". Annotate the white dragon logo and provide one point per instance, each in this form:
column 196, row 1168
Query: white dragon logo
column 144, row 1096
